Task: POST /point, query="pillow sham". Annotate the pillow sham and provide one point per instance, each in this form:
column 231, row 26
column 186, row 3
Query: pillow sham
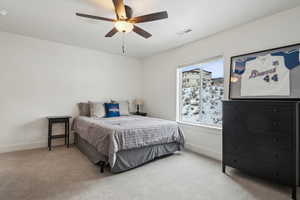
column 84, row 109
column 97, row 109
column 112, row 110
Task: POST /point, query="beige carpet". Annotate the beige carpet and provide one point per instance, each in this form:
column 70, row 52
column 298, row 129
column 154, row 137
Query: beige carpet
column 65, row 174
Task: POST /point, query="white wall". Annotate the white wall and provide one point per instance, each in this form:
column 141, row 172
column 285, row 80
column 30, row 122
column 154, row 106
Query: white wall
column 41, row 78
column 159, row 71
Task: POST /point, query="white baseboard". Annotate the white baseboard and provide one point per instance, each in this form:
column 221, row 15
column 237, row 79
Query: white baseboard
column 204, row 151
column 19, row 147
column 33, row 145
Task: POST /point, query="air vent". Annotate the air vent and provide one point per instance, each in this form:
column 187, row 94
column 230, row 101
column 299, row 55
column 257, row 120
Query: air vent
column 186, row 31
column 3, row 12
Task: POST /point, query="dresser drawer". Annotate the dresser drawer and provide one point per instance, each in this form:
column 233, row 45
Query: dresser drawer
column 273, row 157
column 281, row 172
column 259, row 117
column 259, row 153
column 250, row 145
column 269, row 120
column 273, row 141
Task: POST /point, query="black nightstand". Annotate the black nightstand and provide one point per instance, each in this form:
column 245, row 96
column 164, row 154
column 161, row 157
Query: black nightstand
column 55, row 120
column 140, row 113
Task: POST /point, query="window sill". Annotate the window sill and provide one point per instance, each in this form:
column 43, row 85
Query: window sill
column 200, row 125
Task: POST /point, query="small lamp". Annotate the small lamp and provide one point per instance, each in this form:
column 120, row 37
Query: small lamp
column 138, row 103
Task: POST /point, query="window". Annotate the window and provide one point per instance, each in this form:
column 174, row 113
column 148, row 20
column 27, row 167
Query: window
column 200, row 93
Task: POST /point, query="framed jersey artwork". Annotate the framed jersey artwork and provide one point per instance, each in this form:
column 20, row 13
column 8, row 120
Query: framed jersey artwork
column 272, row 73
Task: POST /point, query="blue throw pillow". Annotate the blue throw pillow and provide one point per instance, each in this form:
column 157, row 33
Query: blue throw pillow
column 112, row 110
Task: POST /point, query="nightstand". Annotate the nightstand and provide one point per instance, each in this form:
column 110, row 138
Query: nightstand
column 55, row 120
column 140, row 113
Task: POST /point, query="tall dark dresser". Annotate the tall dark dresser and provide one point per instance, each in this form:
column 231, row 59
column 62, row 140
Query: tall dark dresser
column 261, row 137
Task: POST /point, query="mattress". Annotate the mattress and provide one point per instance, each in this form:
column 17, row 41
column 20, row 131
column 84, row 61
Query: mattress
column 112, row 135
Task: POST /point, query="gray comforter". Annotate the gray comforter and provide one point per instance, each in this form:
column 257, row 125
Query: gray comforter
column 110, row 135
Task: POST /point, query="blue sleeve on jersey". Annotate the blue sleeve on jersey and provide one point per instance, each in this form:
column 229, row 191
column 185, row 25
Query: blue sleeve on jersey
column 291, row 59
column 240, row 65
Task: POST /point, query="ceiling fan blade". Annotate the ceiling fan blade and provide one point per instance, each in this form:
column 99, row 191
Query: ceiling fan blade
column 95, row 17
column 111, row 33
column 141, row 32
column 120, row 9
column 150, row 17
column 129, row 12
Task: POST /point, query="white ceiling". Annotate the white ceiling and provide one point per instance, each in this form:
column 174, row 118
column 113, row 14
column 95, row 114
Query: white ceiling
column 55, row 20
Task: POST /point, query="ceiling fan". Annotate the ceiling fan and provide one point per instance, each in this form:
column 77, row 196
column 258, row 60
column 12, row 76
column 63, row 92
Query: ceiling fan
column 125, row 22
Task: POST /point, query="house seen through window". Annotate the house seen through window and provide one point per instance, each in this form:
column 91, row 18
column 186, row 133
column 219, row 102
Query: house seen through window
column 201, row 91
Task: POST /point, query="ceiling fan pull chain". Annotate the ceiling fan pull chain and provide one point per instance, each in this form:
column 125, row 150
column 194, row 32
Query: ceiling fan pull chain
column 123, row 43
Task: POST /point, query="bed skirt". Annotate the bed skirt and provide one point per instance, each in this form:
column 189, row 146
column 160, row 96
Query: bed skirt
column 126, row 159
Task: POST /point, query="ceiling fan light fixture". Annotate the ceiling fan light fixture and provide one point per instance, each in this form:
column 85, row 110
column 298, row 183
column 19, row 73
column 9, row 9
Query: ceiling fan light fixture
column 123, row 26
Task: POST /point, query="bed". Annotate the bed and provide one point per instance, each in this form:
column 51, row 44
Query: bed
column 126, row 142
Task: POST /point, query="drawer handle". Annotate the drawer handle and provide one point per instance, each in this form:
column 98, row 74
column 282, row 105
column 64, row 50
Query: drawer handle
column 234, row 160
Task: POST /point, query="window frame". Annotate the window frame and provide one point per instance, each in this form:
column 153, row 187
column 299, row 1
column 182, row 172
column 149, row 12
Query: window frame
column 179, row 92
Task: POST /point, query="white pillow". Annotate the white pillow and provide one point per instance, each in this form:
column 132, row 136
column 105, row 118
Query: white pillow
column 124, row 107
column 97, row 109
